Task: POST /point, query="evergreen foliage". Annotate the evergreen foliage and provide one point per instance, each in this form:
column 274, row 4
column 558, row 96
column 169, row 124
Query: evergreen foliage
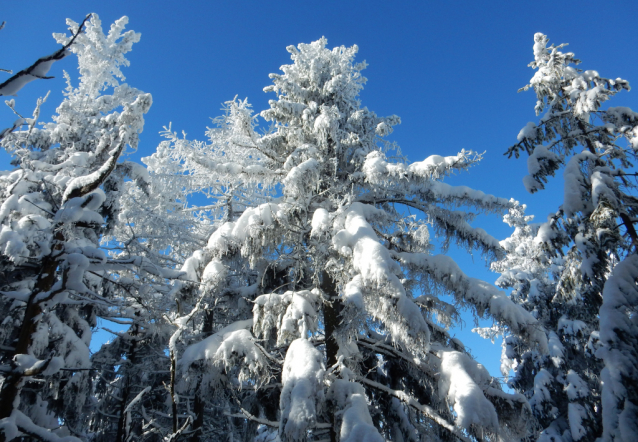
column 283, row 283
column 56, row 205
column 576, row 272
column 343, row 286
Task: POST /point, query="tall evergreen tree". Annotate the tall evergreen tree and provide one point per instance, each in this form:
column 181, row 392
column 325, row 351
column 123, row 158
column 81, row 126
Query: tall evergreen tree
column 587, row 302
column 55, row 208
column 564, row 381
column 346, row 322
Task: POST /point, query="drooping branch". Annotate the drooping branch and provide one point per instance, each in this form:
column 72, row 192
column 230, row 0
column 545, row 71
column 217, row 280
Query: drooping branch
column 246, row 415
column 393, row 352
column 426, row 410
column 83, row 185
column 177, row 433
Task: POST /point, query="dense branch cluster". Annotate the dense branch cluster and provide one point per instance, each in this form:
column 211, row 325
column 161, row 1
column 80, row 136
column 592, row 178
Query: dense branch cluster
column 283, row 284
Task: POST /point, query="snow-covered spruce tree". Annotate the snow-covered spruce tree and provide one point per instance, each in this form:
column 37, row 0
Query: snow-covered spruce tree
column 167, row 220
column 346, row 323
column 563, row 382
column 182, row 199
column 55, row 208
column 588, row 305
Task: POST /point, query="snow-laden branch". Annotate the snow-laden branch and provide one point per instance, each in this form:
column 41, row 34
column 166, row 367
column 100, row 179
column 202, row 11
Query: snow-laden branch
column 40, row 68
column 618, row 331
column 426, row 410
column 484, row 296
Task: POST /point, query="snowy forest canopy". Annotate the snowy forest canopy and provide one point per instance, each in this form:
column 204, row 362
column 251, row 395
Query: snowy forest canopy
column 287, row 279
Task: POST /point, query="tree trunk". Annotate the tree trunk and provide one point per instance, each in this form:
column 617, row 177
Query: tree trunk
column 120, row 436
column 122, row 431
column 198, row 423
column 199, row 404
column 331, row 313
column 172, row 391
column 331, row 316
column 13, row 382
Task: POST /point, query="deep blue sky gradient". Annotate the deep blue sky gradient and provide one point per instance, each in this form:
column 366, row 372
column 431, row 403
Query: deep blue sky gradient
column 449, row 69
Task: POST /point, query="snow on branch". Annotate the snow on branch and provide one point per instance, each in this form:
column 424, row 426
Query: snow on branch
column 136, row 399
column 427, row 411
column 40, row 68
column 378, row 274
column 356, row 422
column 302, row 378
column 377, row 170
column 293, row 314
column 132, row 114
column 462, row 379
column 618, row 331
column 19, row 423
column 484, row 296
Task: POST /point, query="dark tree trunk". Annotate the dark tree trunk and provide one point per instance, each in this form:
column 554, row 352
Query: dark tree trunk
column 331, row 317
column 13, row 382
column 199, row 404
column 122, row 432
column 198, row 423
column 121, row 422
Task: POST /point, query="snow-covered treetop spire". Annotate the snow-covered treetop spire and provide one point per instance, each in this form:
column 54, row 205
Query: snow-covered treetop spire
column 90, row 47
column 318, row 96
column 556, row 79
column 318, row 74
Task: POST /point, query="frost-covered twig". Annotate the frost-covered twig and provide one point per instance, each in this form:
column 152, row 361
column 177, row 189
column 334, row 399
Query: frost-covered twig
column 175, row 434
column 246, row 415
column 81, row 186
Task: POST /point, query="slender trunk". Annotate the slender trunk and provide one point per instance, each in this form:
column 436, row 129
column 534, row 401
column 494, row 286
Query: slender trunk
column 199, row 403
column 120, row 436
column 331, row 312
column 198, row 423
column 173, row 398
column 331, row 315
column 122, row 433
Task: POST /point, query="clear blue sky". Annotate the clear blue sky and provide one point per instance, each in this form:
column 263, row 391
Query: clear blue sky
column 449, row 69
